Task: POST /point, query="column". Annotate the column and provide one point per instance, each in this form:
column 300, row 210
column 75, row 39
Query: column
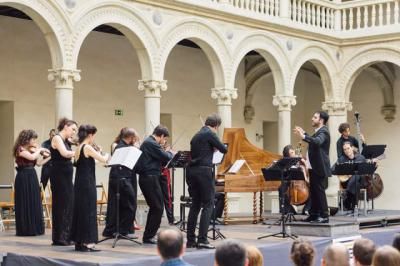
column 152, row 95
column 64, row 85
column 224, row 98
column 284, row 103
column 337, row 111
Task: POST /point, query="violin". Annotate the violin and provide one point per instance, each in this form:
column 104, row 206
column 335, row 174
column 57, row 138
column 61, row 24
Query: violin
column 45, row 152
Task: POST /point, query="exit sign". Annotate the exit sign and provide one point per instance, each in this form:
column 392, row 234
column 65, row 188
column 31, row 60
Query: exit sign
column 118, row 112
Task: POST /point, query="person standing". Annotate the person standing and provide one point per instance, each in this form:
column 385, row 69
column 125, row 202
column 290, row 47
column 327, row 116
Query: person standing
column 28, row 205
column 200, row 180
column 61, row 182
column 46, row 168
column 319, row 168
column 123, row 179
column 153, row 156
column 84, row 221
column 344, row 130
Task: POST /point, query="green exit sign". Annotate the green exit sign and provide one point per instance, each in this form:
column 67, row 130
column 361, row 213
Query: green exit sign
column 118, row 112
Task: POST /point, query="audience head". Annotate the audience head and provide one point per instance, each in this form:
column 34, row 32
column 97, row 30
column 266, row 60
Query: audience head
column 386, row 256
column 86, row 131
column 335, row 255
column 68, row 126
column 288, row 151
column 170, row 244
column 319, row 119
column 26, row 138
column 363, row 251
column 254, row 256
column 344, row 129
column 302, row 253
column 230, row 253
column 213, row 120
column 396, row 241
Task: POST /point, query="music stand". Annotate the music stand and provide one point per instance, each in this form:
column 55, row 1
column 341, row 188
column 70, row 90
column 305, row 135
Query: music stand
column 277, row 173
column 216, row 232
column 180, row 160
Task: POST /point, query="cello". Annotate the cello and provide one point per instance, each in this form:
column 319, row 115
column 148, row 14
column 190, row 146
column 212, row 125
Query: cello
column 298, row 189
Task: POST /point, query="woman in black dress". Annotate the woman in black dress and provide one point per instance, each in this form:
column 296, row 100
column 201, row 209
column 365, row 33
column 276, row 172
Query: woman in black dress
column 61, row 182
column 84, row 222
column 28, row 205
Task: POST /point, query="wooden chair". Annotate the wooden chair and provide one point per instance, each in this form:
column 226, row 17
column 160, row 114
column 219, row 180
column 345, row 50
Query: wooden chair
column 46, row 203
column 100, row 202
column 7, row 207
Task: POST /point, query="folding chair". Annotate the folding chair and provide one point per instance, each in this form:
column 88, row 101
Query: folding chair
column 101, row 201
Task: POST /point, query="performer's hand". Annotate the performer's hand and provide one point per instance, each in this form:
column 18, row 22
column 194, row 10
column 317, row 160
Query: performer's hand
column 299, row 131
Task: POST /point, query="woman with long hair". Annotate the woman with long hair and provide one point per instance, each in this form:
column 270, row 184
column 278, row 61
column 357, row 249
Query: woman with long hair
column 28, row 205
column 84, row 222
column 61, row 182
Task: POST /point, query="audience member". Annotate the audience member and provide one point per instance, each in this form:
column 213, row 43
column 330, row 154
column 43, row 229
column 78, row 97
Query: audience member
column 396, row 241
column 335, row 255
column 231, row 253
column 170, row 247
column 302, row 253
column 386, row 256
column 254, row 256
column 363, row 251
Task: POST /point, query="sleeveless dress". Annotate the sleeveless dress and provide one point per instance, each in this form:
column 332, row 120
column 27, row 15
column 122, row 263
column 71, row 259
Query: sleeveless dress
column 28, row 205
column 84, row 222
column 62, row 196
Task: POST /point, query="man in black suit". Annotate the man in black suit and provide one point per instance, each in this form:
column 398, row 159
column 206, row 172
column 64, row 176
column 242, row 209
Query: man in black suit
column 320, row 169
column 344, row 130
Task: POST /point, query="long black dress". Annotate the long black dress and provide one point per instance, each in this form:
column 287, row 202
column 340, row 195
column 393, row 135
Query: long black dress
column 84, row 222
column 28, row 205
column 62, row 196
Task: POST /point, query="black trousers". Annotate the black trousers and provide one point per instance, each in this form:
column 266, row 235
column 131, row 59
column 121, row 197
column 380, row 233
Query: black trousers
column 151, row 188
column 45, row 174
column 319, row 205
column 166, row 198
column 127, row 206
column 353, row 187
column 201, row 185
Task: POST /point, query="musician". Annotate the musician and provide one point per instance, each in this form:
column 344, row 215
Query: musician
column 319, row 168
column 125, row 178
column 153, row 156
column 344, row 130
column 355, row 181
column 165, row 183
column 46, row 168
column 200, row 180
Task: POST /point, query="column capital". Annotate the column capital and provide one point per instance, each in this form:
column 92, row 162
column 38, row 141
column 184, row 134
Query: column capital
column 389, row 111
column 64, row 78
column 224, row 96
column 337, row 107
column 152, row 88
column 284, row 102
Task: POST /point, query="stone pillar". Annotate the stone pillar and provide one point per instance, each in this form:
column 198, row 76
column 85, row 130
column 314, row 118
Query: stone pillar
column 224, row 98
column 152, row 94
column 64, row 85
column 284, row 103
column 337, row 111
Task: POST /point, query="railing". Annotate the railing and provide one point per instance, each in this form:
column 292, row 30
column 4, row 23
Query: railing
column 321, row 14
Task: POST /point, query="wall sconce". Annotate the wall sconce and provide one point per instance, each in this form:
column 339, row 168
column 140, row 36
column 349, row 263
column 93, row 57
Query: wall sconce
column 259, row 137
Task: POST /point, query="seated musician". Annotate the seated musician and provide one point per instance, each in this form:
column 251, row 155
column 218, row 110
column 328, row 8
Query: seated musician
column 350, row 182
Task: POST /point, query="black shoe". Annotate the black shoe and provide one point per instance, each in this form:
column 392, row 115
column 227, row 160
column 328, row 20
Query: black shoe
column 205, row 246
column 63, row 243
column 151, row 241
column 84, row 248
column 333, row 211
column 321, row 220
column 310, row 219
column 191, row 245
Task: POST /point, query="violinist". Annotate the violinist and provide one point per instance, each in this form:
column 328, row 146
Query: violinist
column 46, row 168
column 28, row 204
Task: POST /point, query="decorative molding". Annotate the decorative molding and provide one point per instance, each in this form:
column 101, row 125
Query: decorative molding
column 248, row 113
column 152, row 88
column 388, row 111
column 64, row 78
column 224, row 96
column 284, row 102
column 337, row 108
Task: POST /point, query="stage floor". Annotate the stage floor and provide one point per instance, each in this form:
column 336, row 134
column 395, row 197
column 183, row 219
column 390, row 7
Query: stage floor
column 126, row 253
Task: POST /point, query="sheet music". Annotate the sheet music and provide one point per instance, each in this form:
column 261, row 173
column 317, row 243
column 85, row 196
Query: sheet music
column 126, row 156
column 236, row 166
column 217, row 157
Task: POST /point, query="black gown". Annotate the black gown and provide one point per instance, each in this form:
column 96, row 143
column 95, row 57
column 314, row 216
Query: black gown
column 28, row 205
column 62, row 196
column 84, row 222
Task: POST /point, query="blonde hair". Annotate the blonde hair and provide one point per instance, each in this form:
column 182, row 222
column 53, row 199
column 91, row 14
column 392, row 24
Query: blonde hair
column 254, row 256
column 386, row 256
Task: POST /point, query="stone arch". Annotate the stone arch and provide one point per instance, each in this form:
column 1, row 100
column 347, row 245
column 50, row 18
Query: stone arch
column 322, row 61
column 128, row 21
column 206, row 37
column 51, row 21
column 271, row 51
column 364, row 59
